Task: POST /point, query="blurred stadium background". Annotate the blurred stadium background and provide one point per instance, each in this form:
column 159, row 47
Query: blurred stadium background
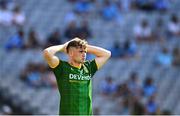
column 142, row 76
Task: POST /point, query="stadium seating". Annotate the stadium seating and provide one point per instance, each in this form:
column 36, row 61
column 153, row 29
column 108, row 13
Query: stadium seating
column 46, row 15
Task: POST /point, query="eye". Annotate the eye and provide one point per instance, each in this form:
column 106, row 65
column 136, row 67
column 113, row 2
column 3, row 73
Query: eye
column 83, row 51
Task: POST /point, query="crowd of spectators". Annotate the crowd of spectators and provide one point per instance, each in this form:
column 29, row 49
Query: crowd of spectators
column 111, row 10
column 137, row 98
column 143, row 31
column 166, row 58
column 127, row 49
column 74, row 30
column 11, row 14
column 54, row 38
column 133, row 96
column 16, row 41
column 38, row 75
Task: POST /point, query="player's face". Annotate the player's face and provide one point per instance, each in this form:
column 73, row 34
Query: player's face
column 79, row 55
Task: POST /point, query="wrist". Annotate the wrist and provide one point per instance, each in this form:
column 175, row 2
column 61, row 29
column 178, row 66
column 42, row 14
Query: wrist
column 88, row 47
column 64, row 47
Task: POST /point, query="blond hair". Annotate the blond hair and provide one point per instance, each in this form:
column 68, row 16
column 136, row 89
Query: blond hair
column 77, row 43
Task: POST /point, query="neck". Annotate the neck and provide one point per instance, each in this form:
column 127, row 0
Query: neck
column 75, row 64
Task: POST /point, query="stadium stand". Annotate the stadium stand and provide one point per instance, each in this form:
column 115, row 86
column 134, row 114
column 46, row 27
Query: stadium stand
column 17, row 97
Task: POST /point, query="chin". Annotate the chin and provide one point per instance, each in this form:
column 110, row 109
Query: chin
column 82, row 61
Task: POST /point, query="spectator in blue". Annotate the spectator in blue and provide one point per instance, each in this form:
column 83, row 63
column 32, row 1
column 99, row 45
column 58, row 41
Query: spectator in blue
column 164, row 58
column 123, row 90
column 54, row 38
column 71, row 31
column 162, row 5
column 83, row 6
column 129, row 48
column 116, row 50
column 108, row 87
column 84, row 30
column 149, row 88
column 110, row 11
column 134, row 85
column 32, row 75
column 16, row 41
column 32, row 40
column 151, row 106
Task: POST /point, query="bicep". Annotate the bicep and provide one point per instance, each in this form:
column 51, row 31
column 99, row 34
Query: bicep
column 52, row 60
column 100, row 61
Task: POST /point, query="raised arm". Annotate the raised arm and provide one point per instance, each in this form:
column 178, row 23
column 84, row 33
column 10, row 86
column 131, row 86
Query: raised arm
column 102, row 55
column 49, row 54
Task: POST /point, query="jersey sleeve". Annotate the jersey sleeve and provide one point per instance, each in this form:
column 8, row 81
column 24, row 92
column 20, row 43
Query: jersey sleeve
column 93, row 66
column 58, row 69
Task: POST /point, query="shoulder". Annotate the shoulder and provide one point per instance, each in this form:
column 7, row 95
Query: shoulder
column 60, row 64
column 91, row 63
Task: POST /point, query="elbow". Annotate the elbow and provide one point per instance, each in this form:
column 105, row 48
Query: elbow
column 45, row 53
column 109, row 54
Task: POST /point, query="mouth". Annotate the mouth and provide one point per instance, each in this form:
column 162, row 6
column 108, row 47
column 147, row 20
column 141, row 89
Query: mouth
column 83, row 58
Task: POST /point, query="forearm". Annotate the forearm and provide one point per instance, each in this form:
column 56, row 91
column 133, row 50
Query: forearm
column 49, row 53
column 54, row 49
column 98, row 51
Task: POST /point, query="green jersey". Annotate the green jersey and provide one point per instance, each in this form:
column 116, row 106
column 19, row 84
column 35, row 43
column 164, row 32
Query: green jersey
column 75, row 87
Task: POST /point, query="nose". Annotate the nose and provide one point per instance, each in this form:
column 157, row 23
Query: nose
column 84, row 55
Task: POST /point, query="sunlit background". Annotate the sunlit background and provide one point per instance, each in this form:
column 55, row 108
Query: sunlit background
column 141, row 77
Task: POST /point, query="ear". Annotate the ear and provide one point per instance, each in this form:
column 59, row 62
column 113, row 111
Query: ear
column 70, row 53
